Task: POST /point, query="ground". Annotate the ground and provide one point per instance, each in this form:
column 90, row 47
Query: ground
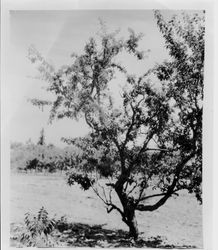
column 177, row 223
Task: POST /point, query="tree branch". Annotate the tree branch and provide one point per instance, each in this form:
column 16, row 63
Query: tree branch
column 170, row 191
column 158, row 149
column 140, row 195
column 103, row 192
column 108, row 204
column 130, row 127
column 88, row 122
column 155, row 195
column 133, row 188
column 116, row 208
column 125, row 188
column 97, row 193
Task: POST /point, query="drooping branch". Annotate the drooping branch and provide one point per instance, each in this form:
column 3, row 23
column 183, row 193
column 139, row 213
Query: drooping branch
column 170, row 191
column 158, row 204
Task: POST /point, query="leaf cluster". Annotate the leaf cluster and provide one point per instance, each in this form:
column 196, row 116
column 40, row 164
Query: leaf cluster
column 83, row 180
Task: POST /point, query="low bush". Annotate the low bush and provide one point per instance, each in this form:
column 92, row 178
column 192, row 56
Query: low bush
column 38, row 229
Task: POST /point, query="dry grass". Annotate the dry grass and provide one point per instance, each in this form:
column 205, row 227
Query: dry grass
column 177, row 223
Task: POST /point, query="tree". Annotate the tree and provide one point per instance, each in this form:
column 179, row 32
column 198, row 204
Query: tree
column 42, row 138
column 149, row 146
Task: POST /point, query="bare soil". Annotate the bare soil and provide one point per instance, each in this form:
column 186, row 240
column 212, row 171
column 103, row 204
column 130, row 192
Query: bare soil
column 176, row 224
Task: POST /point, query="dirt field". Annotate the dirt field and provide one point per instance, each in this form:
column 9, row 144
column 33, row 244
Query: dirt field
column 178, row 222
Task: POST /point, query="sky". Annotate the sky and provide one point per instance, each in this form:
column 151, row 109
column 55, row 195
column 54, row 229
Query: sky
column 56, row 35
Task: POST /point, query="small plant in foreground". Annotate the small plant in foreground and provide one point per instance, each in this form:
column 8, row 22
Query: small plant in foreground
column 38, row 229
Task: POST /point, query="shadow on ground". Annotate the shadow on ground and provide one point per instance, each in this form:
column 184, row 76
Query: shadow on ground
column 84, row 235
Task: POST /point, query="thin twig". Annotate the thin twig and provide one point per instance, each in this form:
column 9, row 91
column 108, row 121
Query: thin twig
column 103, row 192
column 97, row 193
column 134, row 187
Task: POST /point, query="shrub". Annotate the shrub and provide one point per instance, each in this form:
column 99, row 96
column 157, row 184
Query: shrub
column 38, row 230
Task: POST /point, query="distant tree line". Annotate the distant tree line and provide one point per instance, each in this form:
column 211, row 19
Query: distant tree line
column 42, row 157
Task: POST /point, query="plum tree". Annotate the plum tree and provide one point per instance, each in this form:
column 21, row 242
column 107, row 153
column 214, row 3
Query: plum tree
column 148, row 145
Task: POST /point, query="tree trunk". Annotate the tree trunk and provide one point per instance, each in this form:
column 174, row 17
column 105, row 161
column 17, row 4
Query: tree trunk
column 132, row 224
column 133, row 228
column 128, row 205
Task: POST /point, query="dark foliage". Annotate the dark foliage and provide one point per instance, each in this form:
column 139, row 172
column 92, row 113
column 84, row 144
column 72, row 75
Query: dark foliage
column 84, row 181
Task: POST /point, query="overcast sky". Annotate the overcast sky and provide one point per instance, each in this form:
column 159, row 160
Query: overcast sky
column 56, row 34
